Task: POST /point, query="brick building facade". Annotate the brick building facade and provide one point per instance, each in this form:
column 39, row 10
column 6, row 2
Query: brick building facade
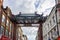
column 7, row 26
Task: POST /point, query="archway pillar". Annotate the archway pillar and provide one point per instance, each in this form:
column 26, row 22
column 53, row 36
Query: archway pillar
column 40, row 32
column 14, row 32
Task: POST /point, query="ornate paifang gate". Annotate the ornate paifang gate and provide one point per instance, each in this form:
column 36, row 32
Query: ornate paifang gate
column 28, row 19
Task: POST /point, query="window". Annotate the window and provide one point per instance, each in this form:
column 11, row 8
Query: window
column 55, row 31
column 53, row 19
column 10, row 27
column 55, row 11
column 48, row 25
column 3, row 18
column 9, row 34
column 1, row 30
column 6, row 32
column 49, row 36
column 10, row 30
column 8, row 14
column 7, row 23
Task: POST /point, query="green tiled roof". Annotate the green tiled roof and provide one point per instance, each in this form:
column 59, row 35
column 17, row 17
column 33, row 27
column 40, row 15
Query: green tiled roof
column 28, row 18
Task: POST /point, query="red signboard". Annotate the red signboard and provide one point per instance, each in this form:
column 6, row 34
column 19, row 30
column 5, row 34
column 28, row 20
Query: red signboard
column 58, row 38
column 4, row 38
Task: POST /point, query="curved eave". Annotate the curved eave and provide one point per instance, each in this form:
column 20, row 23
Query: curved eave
column 21, row 19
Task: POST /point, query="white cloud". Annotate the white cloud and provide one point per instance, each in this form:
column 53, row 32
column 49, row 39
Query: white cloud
column 27, row 6
column 16, row 6
column 47, row 12
column 31, row 32
column 31, row 37
column 18, row 2
column 46, row 5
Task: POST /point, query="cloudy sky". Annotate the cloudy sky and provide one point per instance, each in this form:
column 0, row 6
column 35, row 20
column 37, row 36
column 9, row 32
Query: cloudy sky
column 31, row 32
column 30, row 6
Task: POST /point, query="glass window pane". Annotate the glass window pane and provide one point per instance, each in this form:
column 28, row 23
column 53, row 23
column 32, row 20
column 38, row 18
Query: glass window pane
column 3, row 18
column 7, row 23
column 6, row 33
column 1, row 30
column 10, row 26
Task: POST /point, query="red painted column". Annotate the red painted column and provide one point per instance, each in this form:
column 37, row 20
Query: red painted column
column 40, row 34
column 14, row 32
